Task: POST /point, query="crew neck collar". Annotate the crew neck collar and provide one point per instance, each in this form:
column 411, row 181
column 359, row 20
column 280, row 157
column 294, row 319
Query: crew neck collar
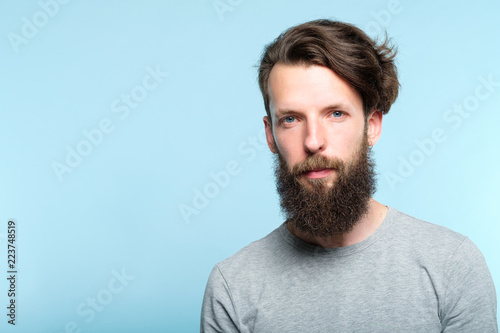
column 338, row 251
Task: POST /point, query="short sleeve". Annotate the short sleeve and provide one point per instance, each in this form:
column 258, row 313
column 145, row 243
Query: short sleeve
column 218, row 313
column 469, row 303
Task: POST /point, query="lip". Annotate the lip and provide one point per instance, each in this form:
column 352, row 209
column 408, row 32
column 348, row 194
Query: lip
column 318, row 173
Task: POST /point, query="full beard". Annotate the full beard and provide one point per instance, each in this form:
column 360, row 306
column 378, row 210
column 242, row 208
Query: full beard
column 315, row 208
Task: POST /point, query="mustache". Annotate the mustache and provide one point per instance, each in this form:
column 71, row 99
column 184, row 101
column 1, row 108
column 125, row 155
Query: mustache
column 315, row 162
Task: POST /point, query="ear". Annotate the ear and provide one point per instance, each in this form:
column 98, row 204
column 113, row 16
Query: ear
column 374, row 127
column 269, row 135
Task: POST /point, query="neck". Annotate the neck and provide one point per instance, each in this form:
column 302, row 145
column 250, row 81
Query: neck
column 361, row 231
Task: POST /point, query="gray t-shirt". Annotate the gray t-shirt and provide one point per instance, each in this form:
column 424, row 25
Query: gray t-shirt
column 408, row 276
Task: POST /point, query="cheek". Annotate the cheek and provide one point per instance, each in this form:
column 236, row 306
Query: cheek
column 356, row 144
column 289, row 146
column 343, row 142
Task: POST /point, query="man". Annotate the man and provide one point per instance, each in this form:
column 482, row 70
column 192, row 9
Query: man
column 342, row 262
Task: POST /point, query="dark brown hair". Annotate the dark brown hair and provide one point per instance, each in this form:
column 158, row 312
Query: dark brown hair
column 345, row 49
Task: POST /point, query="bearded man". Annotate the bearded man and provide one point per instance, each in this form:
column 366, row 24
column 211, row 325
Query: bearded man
column 341, row 262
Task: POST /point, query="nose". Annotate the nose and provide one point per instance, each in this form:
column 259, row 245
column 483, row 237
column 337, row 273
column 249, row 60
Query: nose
column 315, row 140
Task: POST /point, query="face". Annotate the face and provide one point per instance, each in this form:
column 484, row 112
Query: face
column 315, row 112
column 324, row 173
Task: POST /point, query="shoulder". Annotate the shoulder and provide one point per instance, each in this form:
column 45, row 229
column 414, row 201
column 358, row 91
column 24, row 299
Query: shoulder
column 423, row 234
column 237, row 282
column 454, row 266
column 253, row 256
column 224, row 308
column 438, row 250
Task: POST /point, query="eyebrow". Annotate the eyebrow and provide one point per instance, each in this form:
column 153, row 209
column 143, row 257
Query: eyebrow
column 284, row 112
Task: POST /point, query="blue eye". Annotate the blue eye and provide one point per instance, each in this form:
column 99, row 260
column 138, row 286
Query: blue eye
column 337, row 114
column 289, row 119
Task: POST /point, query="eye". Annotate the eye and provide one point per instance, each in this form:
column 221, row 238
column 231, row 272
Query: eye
column 289, row 119
column 337, row 114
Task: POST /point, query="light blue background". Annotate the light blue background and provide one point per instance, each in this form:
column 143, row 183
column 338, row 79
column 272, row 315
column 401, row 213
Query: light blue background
column 119, row 209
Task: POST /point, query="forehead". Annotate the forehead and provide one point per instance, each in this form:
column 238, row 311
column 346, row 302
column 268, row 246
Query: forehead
column 312, row 87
